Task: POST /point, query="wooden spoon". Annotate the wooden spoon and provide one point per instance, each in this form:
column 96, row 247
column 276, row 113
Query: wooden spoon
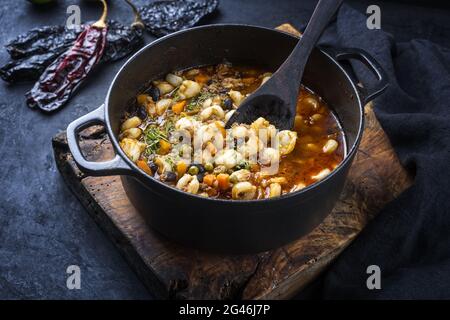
column 276, row 100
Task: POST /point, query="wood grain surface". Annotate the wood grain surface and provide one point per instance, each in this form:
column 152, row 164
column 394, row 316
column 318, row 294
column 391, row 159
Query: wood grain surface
column 172, row 271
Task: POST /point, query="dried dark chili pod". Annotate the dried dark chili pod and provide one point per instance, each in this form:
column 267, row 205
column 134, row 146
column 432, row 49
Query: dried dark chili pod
column 121, row 40
column 35, row 50
column 137, row 23
column 124, row 40
column 43, row 40
column 164, row 17
column 66, row 73
column 26, row 69
column 57, row 39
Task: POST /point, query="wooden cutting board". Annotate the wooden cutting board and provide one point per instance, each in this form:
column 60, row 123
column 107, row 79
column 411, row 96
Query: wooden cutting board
column 172, row 271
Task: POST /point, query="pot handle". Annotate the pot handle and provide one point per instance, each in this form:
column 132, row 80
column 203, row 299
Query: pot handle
column 115, row 166
column 382, row 83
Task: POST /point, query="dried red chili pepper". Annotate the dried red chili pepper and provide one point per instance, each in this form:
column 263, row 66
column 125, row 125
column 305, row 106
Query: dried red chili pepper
column 66, row 73
column 33, row 52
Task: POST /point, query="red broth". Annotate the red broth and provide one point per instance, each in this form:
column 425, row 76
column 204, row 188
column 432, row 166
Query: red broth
column 205, row 97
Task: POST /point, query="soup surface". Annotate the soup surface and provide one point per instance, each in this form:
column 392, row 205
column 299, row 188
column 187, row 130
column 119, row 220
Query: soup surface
column 175, row 132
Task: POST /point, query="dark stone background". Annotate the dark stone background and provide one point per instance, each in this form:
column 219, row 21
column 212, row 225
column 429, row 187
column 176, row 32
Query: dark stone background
column 43, row 228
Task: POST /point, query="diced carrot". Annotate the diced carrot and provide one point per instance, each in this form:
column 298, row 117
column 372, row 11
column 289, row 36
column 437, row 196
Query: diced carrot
column 221, row 128
column 142, row 164
column 181, row 168
column 209, row 179
column 164, row 147
column 224, row 181
column 201, row 78
column 142, row 99
column 178, row 107
column 254, row 167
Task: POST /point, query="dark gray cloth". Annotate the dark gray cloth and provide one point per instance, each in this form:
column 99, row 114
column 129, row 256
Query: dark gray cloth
column 410, row 238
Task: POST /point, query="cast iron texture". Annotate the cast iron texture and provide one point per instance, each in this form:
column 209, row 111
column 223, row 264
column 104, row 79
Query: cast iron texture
column 215, row 224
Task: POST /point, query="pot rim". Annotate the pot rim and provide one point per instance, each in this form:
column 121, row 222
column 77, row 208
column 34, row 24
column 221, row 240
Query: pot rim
column 134, row 168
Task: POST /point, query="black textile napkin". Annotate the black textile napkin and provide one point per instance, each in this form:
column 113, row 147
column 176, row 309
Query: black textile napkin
column 410, row 238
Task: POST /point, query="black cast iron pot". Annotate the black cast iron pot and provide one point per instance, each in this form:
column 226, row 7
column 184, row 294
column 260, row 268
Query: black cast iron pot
column 214, row 224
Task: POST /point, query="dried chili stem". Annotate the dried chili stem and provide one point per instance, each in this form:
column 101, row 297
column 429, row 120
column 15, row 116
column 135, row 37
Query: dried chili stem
column 101, row 23
column 137, row 16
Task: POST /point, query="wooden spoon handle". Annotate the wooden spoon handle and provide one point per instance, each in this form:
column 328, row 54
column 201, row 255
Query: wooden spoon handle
column 320, row 18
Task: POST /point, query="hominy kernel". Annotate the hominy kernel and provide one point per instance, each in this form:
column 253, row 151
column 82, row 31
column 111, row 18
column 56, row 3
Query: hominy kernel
column 330, row 146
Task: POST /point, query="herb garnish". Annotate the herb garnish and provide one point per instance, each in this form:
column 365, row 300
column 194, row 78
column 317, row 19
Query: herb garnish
column 152, row 136
column 194, row 104
column 169, row 126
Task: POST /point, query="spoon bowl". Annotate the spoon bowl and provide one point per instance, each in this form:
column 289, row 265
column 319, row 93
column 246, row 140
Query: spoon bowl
column 276, row 99
column 269, row 106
